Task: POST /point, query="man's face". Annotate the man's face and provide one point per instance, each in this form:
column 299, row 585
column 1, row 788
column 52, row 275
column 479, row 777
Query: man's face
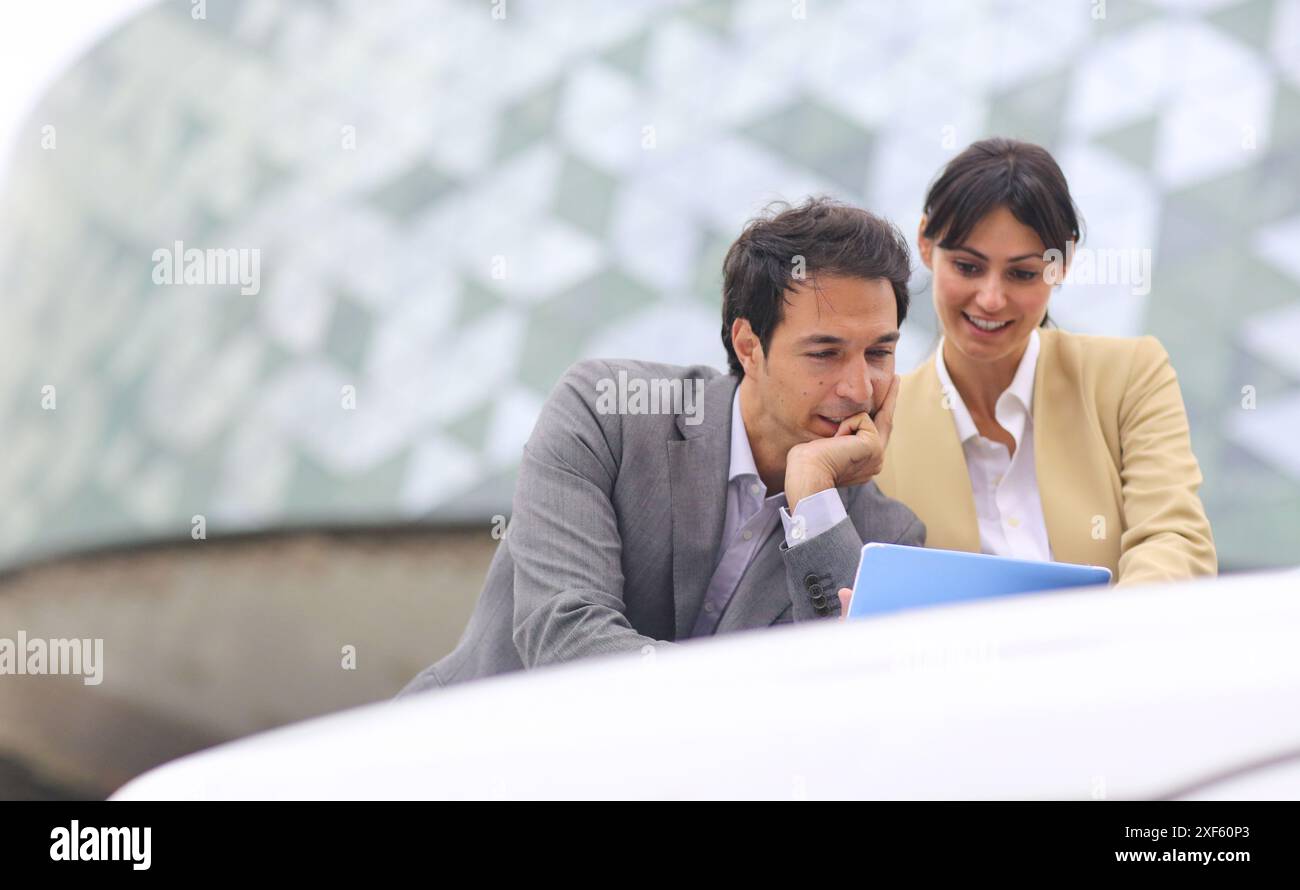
column 831, row 356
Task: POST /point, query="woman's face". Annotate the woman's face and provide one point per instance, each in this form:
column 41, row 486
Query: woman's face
column 990, row 292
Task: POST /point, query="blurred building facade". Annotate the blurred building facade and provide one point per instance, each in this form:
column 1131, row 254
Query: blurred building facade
column 451, row 207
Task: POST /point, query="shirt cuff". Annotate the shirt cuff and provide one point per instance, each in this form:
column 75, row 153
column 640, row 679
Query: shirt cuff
column 812, row 516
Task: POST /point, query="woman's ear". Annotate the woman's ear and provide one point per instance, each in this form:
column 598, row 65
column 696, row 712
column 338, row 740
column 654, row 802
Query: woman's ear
column 923, row 244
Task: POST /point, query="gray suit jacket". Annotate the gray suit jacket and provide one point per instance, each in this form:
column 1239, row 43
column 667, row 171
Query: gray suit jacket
column 616, row 527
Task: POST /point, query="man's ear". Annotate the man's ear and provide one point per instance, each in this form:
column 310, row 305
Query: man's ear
column 924, row 245
column 748, row 348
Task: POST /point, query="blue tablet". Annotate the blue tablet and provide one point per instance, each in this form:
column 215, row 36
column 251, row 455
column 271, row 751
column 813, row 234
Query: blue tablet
column 892, row 578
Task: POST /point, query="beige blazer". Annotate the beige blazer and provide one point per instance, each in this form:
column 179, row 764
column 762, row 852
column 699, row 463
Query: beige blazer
column 1116, row 473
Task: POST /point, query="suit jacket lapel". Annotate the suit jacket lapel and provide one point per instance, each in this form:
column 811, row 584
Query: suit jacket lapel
column 762, row 594
column 698, row 465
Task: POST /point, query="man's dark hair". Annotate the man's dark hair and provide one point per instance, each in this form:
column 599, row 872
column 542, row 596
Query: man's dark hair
column 999, row 172
column 832, row 238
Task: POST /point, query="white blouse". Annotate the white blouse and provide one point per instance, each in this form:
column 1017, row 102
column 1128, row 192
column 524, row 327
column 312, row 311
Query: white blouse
column 1005, row 486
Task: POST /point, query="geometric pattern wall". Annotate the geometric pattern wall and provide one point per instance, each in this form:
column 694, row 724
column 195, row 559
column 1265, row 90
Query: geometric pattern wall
column 451, row 207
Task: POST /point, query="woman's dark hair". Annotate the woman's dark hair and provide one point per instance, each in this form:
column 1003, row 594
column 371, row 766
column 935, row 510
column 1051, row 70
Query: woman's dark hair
column 831, row 237
column 993, row 173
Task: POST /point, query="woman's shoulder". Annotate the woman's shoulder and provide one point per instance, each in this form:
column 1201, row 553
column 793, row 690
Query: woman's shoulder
column 920, row 383
column 1104, row 356
column 923, row 371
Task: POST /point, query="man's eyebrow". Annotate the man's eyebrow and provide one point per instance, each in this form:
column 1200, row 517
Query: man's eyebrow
column 821, row 340
column 832, row 340
column 1014, row 259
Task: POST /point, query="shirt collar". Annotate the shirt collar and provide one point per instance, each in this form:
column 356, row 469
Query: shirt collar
column 1022, row 385
column 1021, row 390
column 742, row 456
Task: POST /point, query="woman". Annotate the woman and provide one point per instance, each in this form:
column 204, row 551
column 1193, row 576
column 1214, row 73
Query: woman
column 1026, row 441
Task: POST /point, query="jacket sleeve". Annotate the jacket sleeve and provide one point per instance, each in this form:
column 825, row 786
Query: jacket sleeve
column 818, row 567
column 1166, row 534
column 563, row 533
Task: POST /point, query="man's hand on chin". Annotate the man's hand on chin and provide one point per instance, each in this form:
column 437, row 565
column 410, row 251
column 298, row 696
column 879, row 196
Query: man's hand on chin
column 853, row 456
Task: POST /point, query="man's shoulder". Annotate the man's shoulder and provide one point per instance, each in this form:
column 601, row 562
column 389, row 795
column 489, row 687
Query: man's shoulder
column 623, row 397
column 594, row 370
column 615, row 387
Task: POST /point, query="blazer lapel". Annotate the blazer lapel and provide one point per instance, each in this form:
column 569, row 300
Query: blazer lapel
column 942, row 495
column 1062, row 484
column 698, row 465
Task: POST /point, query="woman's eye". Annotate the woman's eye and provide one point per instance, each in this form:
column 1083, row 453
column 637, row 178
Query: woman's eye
column 1024, row 274
column 966, row 268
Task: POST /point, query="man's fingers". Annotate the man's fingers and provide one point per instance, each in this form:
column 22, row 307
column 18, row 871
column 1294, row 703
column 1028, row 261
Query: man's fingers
column 851, row 426
column 846, row 595
column 882, row 423
column 885, row 416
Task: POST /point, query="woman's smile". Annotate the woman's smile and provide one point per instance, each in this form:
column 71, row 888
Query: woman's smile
column 986, row 327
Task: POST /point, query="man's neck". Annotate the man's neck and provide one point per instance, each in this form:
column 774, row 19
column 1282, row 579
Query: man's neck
column 769, row 459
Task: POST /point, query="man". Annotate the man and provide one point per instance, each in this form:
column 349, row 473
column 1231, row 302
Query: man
column 635, row 527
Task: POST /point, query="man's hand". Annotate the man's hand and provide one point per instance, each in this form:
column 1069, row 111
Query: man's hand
column 853, row 456
column 846, row 597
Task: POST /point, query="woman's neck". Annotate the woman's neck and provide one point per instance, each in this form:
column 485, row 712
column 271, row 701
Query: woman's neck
column 981, row 383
